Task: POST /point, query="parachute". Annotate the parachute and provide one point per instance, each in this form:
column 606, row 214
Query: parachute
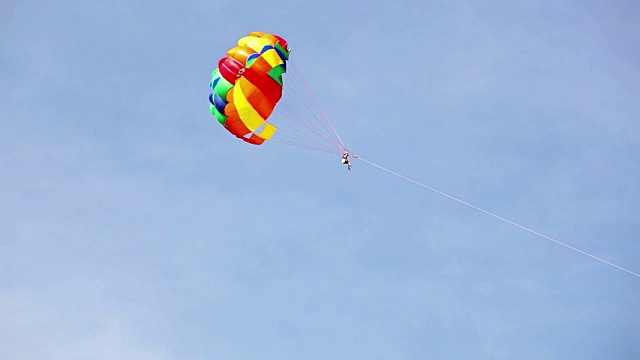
column 247, row 85
column 246, row 90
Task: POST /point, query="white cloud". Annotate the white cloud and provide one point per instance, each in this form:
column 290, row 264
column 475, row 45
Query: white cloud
column 35, row 330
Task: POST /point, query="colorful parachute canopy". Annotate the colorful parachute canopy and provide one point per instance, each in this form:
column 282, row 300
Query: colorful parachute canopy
column 247, row 85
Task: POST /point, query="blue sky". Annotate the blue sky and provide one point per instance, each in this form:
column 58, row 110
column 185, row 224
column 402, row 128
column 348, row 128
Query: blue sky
column 134, row 227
